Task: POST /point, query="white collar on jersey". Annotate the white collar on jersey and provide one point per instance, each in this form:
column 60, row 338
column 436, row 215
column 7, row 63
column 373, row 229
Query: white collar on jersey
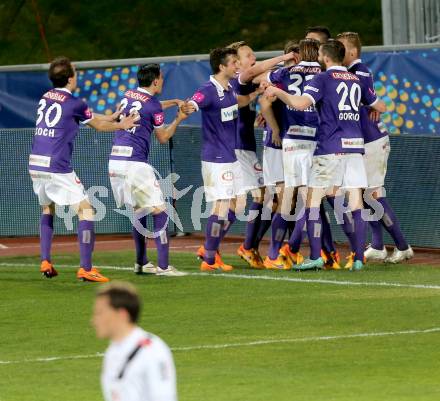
column 357, row 61
column 337, row 67
column 218, row 86
column 309, row 64
column 144, row 91
column 63, row 90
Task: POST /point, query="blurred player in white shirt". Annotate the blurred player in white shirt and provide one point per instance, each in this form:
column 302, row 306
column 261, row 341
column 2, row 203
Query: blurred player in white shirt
column 138, row 366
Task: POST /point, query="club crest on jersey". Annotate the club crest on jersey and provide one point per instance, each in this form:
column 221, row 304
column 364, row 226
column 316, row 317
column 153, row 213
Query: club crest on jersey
column 198, row 97
column 228, row 176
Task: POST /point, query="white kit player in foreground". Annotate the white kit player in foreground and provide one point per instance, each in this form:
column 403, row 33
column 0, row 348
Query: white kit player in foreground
column 377, row 150
column 337, row 162
column 133, row 179
column 138, row 366
column 54, row 181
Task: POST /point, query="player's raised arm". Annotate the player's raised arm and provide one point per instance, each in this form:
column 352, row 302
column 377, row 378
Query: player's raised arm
column 263, row 66
column 163, row 134
column 166, row 104
column 298, row 102
column 103, row 125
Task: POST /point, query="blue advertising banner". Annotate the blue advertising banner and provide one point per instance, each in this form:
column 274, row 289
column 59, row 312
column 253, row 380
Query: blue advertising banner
column 408, row 81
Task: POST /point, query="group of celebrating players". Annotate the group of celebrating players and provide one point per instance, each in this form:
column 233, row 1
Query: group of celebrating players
column 323, row 139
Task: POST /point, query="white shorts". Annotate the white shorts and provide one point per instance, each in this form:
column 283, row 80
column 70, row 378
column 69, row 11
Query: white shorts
column 135, row 184
column 341, row 170
column 251, row 176
column 221, row 180
column 272, row 166
column 297, row 161
column 61, row 189
column 376, row 161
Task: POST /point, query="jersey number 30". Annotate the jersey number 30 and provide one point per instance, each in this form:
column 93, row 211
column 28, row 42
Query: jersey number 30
column 51, row 116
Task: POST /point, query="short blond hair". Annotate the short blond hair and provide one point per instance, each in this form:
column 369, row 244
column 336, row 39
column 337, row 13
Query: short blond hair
column 352, row 38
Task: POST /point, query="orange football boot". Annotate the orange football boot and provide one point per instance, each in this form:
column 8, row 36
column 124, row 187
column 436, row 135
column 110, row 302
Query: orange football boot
column 47, row 269
column 91, row 275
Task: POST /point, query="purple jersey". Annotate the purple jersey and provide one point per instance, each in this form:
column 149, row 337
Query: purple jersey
column 278, row 108
column 58, row 116
column 372, row 130
column 297, row 124
column 219, row 121
column 247, row 114
column 134, row 143
column 337, row 95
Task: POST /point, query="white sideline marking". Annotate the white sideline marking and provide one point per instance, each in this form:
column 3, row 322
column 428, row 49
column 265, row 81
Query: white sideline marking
column 247, row 344
column 58, row 244
column 270, row 278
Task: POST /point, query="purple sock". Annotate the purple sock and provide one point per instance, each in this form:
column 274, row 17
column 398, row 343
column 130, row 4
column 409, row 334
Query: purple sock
column 228, row 223
column 46, row 235
column 160, row 225
column 376, row 234
column 86, row 239
column 296, row 238
column 214, row 228
column 139, row 243
column 253, row 224
column 327, row 238
column 314, row 231
column 347, row 225
column 262, row 228
column 279, row 228
column 360, row 234
column 391, row 224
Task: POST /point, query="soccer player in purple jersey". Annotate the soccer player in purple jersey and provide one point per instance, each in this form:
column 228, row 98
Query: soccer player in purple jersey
column 377, row 149
column 251, row 170
column 299, row 142
column 337, row 162
column 133, row 179
column 54, row 181
column 221, row 171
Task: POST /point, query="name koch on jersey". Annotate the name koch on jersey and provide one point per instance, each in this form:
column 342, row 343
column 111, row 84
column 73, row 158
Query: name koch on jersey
column 134, row 143
column 337, row 95
column 58, row 116
column 220, row 119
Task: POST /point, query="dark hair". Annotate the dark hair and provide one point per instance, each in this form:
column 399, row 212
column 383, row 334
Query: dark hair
column 308, row 50
column 147, row 73
column 219, row 57
column 291, row 46
column 334, row 49
column 323, row 30
column 353, row 39
column 60, row 71
column 122, row 296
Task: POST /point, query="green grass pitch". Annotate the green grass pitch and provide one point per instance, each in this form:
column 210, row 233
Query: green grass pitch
column 289, row 321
